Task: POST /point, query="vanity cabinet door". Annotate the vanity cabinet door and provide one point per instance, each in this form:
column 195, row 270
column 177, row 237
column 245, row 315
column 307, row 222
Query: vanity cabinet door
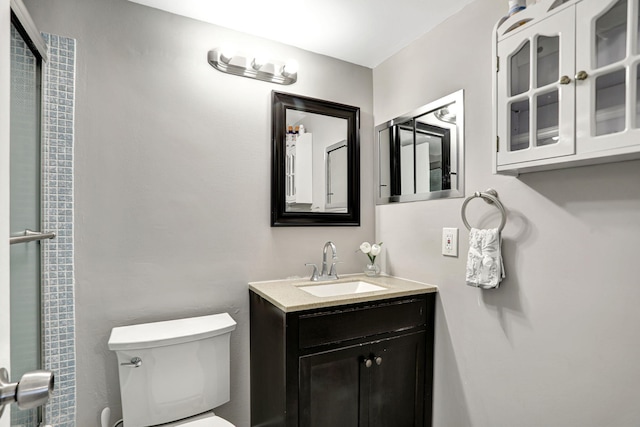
column 331, row 384
column 607, row 60
column 397, row 382
column 378, row 384
column 535, row 91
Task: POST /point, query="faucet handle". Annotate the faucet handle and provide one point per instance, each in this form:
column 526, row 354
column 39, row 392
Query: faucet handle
column 314, row 275
column 332, row 271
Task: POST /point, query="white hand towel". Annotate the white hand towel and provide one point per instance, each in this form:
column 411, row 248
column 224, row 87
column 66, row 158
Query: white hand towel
column 484, row 263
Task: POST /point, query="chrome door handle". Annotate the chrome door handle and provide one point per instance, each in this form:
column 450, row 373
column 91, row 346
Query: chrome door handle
column 30, row 236
column 33, row 389
column 135, row 362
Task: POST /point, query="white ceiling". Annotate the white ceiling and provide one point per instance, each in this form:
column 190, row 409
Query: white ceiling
column 364, row 32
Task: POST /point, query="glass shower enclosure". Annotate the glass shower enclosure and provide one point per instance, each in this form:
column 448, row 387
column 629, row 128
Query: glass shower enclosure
column 25, row 210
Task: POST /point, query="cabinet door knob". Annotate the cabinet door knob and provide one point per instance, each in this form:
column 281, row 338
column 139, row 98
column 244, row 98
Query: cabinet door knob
column 368, row 363
column 582, row 75
column 565, row 80
column 378, row 360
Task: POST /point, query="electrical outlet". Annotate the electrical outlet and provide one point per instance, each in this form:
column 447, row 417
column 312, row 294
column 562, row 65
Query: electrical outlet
column 450, row 242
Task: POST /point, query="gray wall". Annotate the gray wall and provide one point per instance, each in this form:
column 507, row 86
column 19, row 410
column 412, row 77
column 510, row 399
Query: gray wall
column 557, row 344
column 172, row 181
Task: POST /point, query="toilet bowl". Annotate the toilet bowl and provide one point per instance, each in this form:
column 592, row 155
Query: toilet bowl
column 174, row 373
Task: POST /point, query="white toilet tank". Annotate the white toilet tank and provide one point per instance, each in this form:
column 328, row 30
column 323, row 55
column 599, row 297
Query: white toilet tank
column 184, row 368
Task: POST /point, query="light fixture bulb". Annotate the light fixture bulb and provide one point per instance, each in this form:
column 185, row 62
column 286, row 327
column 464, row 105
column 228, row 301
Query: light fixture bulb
column 290, row 68
column 226, row 53
column 258, row 62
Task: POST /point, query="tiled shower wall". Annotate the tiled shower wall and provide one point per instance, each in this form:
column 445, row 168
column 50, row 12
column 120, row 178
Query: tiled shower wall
column 57, row 193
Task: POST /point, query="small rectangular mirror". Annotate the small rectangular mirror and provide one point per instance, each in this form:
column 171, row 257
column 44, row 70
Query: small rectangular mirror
column 420, row 155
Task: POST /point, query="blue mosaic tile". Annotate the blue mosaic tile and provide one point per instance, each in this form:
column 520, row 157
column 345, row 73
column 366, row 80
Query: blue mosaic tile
column 58, row 292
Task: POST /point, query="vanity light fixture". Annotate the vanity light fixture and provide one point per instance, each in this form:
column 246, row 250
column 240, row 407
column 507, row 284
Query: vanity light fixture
column 258, row 67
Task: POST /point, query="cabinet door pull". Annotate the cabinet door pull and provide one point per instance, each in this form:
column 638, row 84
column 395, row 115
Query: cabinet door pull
column 368, row 363
column 582, row 75
column 378, row 360
column 565, row 80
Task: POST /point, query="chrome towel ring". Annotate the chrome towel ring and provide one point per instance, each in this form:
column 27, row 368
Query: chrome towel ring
column 490, row 196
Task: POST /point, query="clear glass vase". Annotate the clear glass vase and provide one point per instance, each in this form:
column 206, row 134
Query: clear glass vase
column 372, row 269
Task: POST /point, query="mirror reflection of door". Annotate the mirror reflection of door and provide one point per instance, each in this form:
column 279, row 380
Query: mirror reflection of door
column 308, row 139
column 383, row 166
column 405, row 173
column 336, row 176
column 432, row 146
column 421, row 161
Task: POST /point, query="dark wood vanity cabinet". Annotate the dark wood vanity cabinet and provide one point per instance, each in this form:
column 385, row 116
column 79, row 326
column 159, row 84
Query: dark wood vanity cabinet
column 358, row 365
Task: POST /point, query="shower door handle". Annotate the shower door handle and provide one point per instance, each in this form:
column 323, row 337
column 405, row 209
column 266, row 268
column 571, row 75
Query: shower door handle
column 30, row 236
column 33, row 389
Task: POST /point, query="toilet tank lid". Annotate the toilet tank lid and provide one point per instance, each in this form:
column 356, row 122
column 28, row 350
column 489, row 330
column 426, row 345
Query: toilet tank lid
column 157, row 334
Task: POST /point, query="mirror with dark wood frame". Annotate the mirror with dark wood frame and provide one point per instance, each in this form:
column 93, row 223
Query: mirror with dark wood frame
column 315, row 171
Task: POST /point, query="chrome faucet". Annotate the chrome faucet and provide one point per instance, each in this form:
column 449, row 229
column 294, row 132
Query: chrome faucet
column 324, row 275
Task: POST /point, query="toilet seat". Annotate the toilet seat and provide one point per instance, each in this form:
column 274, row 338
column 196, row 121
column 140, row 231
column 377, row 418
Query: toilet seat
column 209, row 420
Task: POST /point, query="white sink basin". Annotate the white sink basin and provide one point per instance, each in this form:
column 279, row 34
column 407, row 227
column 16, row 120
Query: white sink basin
column 341, row 288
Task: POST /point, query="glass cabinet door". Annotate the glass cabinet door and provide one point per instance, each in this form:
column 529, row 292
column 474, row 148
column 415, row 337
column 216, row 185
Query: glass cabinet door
column 535, row 91
column 607, row 57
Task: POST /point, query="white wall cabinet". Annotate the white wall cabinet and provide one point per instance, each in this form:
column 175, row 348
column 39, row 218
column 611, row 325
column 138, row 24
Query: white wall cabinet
column 566, row 85
column 299, row 169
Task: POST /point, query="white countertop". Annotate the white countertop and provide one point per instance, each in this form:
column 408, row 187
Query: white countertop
column 286, row 295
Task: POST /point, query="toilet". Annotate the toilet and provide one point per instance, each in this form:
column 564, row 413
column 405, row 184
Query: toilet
column 174, row 373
